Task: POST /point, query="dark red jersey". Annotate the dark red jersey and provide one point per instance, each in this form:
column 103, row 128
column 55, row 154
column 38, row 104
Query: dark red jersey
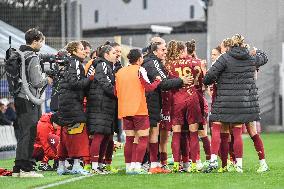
column 197, row 72
column 180, row 68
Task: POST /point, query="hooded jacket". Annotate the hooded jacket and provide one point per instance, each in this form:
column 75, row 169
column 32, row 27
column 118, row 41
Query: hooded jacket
column 237, row 95
column 73, row 85
column 44, row 129
column 101, row 102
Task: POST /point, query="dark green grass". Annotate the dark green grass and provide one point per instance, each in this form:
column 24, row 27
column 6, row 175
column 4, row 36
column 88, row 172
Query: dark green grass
column 274, row 146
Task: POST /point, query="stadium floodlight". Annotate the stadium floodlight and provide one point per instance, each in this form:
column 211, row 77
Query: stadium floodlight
column 161, row 29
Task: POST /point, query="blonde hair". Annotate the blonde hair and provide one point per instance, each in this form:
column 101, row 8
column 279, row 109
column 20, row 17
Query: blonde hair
column 238, row 40
column 228, row 42
column 72, row 46
column 174, row 49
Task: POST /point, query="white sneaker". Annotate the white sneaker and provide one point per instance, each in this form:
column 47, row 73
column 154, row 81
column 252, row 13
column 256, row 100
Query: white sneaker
column 206, row 163
column 212, row 166
column 230, row 166
column 99, row 171
column 63, row 171
column 199, row 165
column 262, row 168
column 24, row 174
column 15, row 174
column 238, row 169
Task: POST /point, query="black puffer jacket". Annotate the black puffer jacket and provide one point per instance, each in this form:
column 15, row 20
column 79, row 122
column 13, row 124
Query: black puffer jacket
column 234, row 73
column 117, row 129
column 155, row 68
column 101, row 102
column 71, row 94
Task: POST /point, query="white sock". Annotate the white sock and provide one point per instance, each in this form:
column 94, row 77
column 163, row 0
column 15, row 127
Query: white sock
column 198, row 161
column 159, row 164
column 137, row 165
column 154, row 164
column 67, row 164
column 239, row 162
column 76, row 163
column 95, row 165
column 100, row 165
column 132, row 165
column 213, row 157
column 262, row 162
column 128, row 165
column 61, row 164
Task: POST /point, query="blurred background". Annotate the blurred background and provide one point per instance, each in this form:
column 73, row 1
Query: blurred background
column 132, row 23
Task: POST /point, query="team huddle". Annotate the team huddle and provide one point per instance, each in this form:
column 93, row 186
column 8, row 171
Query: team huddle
column 158, row 95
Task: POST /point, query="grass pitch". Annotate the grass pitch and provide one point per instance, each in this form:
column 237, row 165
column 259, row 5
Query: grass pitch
column 274, row 148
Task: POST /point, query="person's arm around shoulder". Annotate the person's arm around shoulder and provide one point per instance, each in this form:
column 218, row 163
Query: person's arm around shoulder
column 215, row 71
column 146, row 82
column 260, row 57
column 154, row 70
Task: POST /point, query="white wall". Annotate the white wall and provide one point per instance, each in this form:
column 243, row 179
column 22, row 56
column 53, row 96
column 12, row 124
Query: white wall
column 260, row 21
column 116, row 13
column 262, row 24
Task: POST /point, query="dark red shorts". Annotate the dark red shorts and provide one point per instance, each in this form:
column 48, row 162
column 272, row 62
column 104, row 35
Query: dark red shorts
column 189, row 111
column 138, row 122
column 166, row 123
column 73, row 146
column 167, row 100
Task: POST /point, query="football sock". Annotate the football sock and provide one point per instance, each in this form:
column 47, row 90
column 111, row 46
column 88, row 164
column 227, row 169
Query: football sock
column 215, row 141
column 128, row 148
column 258, row 145
column 238, row 142
column 176, row 146
column 224, row 148
column 194, row 144
column 206, row 147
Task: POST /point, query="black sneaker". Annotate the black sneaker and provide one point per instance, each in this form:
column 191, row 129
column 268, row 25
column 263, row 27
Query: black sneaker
column 55, row 164
column 16, row 171
column 45, row 167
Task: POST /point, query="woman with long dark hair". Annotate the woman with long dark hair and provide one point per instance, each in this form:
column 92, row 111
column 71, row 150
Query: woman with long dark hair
column 101, row 104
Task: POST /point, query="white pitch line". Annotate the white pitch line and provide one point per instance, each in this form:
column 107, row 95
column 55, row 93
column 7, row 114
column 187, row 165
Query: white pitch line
column 71, row 179
column 63, row 182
